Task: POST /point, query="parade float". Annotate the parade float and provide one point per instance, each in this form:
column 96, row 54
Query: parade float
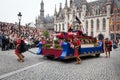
column 61, row 48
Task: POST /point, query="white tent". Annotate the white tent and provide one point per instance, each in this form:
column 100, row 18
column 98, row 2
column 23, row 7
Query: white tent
column 31, row 24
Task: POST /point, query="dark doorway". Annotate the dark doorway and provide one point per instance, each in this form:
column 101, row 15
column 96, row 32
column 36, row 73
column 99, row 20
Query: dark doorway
column 117, row 36
column 112, row 36
column 100, row 37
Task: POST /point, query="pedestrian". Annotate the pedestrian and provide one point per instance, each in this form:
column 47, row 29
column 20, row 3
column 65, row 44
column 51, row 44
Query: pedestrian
column 3, row 43
column 107, row 47
column 114, row 44
column 119, row 43
column 110, row 45
column 18, row 50
column 77, row 48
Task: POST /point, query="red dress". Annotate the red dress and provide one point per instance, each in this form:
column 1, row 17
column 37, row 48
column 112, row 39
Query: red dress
column 76, row 43
column 107, row 46
column 17, row 51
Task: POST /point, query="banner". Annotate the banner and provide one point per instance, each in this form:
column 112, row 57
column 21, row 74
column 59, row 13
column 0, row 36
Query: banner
column 111, row 22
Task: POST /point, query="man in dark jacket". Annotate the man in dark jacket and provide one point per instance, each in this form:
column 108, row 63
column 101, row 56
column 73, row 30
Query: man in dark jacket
column 0, row 40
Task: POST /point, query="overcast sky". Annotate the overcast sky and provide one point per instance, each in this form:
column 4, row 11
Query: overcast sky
column 30, row 9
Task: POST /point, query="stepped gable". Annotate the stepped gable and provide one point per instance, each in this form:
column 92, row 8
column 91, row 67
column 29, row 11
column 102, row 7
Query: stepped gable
column 117, row 4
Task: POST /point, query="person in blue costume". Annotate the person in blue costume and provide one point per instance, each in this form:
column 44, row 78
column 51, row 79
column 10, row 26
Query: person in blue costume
column 39, row 47
column 100, row 43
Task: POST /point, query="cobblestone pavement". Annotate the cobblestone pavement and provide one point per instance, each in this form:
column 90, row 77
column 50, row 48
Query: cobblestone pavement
column 8, row 61
column 91, row 68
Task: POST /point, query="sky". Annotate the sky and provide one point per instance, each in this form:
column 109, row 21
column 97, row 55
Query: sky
column 30, row 9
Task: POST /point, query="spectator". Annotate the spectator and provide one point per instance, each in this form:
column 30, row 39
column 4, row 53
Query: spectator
column 10, row 31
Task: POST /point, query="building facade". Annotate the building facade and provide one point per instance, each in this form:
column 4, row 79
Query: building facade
column 42, row 22
column 95, row 16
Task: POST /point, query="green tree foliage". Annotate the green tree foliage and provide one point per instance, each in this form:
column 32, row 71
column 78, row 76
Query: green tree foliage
column 46, row 34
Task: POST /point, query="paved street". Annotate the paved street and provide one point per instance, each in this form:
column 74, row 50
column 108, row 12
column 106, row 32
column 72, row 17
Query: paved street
column 38, row 68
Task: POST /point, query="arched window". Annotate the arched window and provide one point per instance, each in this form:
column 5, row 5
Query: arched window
column 59, row 27
column 56, row 27
column 98, row 24
column 87, row 26
column 92, row 27
column 104, row 24
column 118, row 27
column 68, row 16
column 112, row 36
column 73, row 13
column 117, row 36
column 79, row 14
column 92, row 33
column 113, row 28
column 63, row 27
column 100, row 36
column 68, row 25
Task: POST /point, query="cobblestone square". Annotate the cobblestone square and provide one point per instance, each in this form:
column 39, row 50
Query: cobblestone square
column 36, row 67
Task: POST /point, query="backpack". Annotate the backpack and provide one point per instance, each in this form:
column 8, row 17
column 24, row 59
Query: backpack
column 23, row 47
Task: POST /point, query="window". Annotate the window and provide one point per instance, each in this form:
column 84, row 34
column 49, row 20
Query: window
column 98, row 24
column 59, row 27
column 87, row 25
column 92, row 33
column 92, row 25
column 104, row 24
column 118, row 28
column 113, row 28
column 63, row 27
column 68, row 25
column 79, row 14
column 68, row 16
column 56, row 27
column 73, row 13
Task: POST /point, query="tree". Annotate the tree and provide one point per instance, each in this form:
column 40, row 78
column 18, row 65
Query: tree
column 46, row 34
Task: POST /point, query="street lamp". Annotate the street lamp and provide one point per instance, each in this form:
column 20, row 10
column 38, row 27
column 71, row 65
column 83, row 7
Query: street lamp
column 19, row 18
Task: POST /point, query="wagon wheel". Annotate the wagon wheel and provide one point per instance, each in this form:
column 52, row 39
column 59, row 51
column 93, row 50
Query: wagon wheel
column 97, row 55
column 50, row 57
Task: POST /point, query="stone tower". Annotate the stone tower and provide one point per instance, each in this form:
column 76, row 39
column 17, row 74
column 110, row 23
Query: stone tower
column 42, row 14
column 83, row 9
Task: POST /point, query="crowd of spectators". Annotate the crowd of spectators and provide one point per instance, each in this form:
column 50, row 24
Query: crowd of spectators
column 31, row 35
column 9, row 31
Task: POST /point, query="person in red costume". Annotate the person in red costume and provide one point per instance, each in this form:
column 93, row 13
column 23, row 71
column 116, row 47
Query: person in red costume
column 76, row 44
column 107, row 47
column 18, row 51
